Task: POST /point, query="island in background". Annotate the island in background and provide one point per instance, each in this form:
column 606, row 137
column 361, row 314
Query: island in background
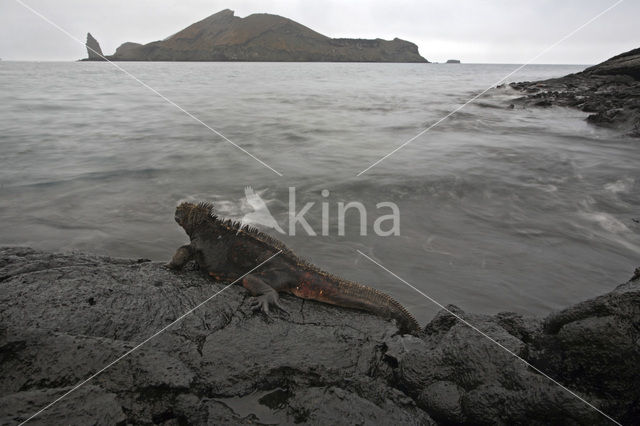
column 260, row 37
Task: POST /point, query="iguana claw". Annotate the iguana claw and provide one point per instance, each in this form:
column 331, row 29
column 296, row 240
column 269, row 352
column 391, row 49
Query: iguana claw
column 264, row 301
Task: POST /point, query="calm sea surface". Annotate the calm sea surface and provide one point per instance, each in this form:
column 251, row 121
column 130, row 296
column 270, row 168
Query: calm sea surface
column 526, row 210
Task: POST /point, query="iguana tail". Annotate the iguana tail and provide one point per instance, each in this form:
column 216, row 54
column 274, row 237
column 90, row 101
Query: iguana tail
column 349, row 294
column 369, row 299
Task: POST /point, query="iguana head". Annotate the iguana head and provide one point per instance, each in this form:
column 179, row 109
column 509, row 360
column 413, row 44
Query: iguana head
column 190, row 215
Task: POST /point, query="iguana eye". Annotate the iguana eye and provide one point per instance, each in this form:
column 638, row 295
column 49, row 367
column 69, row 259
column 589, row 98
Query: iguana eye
column 219, row 236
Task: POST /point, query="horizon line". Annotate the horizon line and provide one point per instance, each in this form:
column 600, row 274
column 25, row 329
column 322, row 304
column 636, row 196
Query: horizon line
column 307, row 62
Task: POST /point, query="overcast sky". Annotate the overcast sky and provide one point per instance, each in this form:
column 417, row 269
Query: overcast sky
column 482, row 31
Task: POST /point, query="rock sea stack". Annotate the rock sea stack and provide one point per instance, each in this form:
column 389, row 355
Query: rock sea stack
column 94, row 51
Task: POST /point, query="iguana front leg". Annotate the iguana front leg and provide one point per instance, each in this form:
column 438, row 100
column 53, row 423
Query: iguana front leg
column 182, row 256
column 264, row 294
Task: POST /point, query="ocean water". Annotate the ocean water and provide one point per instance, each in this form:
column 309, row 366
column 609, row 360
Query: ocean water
column 524, row 210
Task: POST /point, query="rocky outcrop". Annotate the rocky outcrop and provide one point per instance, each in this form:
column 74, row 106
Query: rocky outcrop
column 94, row 51
column 610, row 91
column 127, row 50
column 65, row 316
column 627, row 63
column 263, row 37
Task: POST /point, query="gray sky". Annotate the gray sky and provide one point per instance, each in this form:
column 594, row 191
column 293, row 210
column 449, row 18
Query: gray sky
column 485, row 31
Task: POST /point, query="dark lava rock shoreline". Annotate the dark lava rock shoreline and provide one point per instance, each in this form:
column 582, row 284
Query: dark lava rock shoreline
column 66, row 316
column 610, row 91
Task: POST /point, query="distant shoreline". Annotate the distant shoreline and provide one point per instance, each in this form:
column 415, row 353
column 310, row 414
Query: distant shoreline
column 65, row 61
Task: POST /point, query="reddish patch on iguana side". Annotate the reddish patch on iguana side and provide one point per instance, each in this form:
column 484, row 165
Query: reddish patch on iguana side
column 313, row 286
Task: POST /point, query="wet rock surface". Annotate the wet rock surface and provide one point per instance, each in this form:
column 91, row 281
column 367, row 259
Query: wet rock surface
column 64, row 317
column 610, row 91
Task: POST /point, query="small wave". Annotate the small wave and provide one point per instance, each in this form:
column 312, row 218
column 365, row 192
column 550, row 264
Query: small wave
column 615, row 231
column 542, row 187
column 530, row 232
column 490, row 105
column 401, row 128
column 372, row 109
column 607, row 222
column 623, row 185
column 102, row 176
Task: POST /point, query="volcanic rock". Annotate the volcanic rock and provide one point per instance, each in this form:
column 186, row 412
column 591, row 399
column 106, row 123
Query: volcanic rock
column 93, row 49
column 64, row 317
column 610, row 91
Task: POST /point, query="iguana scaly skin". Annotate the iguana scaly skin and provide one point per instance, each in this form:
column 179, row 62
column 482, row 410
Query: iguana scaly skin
column 226, row 250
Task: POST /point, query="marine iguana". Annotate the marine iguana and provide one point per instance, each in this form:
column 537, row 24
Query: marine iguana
column 226, row 250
